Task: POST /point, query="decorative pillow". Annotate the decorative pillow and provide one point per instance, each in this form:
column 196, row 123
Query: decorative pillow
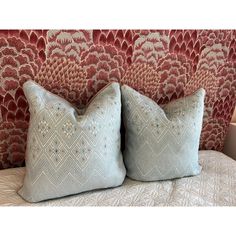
column 161, row 143
column 68, row 152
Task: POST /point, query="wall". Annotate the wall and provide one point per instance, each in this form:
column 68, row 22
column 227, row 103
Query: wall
column 75, row 64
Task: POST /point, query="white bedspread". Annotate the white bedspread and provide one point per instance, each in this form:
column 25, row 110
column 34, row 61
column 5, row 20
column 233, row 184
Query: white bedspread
column 215, row 186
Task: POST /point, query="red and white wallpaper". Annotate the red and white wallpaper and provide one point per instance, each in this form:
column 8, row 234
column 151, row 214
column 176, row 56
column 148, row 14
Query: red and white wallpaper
column 75, row 64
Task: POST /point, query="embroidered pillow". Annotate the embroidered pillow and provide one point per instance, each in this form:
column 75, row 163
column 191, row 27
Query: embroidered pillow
column 161, row 143
column 68, row 152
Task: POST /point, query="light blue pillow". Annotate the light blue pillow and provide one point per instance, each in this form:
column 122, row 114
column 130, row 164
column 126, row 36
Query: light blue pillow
column 70, row 152
column 161, row 143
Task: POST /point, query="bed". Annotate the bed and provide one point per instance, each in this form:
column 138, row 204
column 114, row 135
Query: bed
column 215, row 186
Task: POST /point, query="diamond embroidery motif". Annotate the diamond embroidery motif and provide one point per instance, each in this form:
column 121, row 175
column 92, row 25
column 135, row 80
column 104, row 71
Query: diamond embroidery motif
column 94, row 127
column 35, row 150
column 57, row 153
column 43, row 127
column 69, row 129
column 82, row 151
column 138, row 120
column 159, row 127
column 142, row 164
column 57, row 111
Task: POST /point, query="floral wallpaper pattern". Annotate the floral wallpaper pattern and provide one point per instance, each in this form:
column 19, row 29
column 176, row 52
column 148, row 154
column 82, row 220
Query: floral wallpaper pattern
column 75, row 64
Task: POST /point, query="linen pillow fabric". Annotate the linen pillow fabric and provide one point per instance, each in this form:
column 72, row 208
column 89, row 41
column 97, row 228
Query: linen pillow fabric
column 68, row 152
column 161, row 143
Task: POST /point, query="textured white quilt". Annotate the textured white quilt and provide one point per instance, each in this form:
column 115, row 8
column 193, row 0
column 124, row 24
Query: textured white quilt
column 215, row 186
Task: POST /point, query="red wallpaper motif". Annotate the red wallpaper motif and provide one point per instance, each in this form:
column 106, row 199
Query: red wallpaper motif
column 75, row 64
